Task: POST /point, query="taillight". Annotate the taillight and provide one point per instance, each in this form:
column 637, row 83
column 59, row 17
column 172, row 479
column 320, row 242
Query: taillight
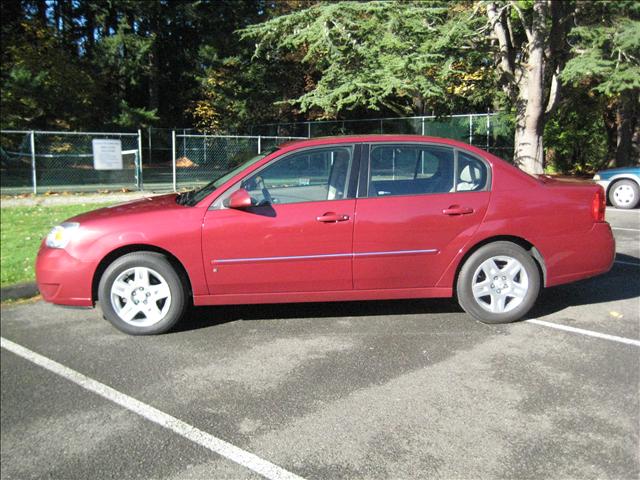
column 598, row 206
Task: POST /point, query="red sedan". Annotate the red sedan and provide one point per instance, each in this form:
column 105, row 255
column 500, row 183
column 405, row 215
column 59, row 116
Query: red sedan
column 334, row 219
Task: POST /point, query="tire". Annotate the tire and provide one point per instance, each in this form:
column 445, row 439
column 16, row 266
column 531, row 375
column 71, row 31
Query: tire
column 624, row 194
column 142, row 294
column 511, row 292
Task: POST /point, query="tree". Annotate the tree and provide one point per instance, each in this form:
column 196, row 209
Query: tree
column 36, row 74
column 123, row 60
column 235, row 91
column 400, row 57
column 413, row 57
column 575, row 136
column 96, row 63
column 606, row 62
column 569, row 68
column 532, row 50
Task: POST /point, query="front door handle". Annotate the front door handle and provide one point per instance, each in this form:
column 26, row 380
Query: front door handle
column 331, row 217
column 457, row 210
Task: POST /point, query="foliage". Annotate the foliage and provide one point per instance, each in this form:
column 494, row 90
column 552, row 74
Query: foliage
column 575, row 136
column 606, row 63
column 237, row 92
column 134, row 117
column 36, row 75
column 223, row 65
column 401, row 57
column 607, row 49
column 87, row 64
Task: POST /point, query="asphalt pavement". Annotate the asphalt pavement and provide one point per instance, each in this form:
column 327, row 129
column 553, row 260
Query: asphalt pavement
column 401, row 389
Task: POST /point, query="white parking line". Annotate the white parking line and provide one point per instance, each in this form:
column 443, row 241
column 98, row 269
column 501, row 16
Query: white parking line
column 626, row 229
column 590, row 333
column 609, row 209
column 208, row 441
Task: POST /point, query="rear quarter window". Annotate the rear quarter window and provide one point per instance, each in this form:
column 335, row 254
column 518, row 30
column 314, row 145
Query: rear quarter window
column 472, row 174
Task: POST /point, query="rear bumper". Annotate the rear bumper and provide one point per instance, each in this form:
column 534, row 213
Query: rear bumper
column 63, row 279
column 576, row 257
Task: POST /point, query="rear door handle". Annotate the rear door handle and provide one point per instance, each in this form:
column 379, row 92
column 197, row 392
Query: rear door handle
column 457, row 210
column 331, row 217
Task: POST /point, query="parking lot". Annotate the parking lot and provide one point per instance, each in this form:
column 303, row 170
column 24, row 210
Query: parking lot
column 401, row 389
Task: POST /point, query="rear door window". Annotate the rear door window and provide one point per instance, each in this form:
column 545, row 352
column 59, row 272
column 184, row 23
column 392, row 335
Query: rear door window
column 410, row 170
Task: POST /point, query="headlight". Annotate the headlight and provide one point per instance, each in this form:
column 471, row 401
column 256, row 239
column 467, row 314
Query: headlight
column 60, row 235
column 596, row 177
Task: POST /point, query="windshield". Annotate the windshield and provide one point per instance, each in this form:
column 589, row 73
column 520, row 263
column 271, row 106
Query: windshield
column 194, row 196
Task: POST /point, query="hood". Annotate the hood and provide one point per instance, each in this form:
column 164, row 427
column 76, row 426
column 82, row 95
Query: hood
column 141, row 206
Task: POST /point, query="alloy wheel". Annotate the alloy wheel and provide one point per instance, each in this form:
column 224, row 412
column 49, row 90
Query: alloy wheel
column 140, row 296
column 500, row 284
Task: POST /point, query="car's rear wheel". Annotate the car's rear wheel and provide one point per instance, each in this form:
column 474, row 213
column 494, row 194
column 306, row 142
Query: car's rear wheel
column 142, row 294
column 624, row 194
column 499, row 283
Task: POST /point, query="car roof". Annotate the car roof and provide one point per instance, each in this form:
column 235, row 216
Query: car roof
column 511, row 172
column 315, row 141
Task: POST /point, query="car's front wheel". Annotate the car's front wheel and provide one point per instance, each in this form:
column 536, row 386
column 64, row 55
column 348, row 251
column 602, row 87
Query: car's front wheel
column 498, row 283
column 624, row 194
column 142, row 294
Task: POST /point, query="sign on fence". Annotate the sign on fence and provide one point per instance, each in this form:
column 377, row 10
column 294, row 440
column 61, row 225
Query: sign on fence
column 107, row 154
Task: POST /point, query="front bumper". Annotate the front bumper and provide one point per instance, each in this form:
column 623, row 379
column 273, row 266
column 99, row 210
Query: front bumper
column 63, row 279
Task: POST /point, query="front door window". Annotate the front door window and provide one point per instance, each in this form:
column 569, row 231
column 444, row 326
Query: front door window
column 310, row 176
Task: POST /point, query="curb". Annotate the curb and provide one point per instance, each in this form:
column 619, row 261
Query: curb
column 18, row 291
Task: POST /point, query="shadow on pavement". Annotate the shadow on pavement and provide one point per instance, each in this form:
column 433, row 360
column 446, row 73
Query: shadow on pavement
column 621, row 283
column 202, row 317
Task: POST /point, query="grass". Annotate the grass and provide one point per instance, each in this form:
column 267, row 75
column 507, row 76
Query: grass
column 22, row 229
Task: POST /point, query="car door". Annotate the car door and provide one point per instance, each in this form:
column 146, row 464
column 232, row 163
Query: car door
column 417, row 206
column 298, row 235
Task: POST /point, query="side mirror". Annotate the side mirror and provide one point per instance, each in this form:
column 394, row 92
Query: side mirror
column 240, row 199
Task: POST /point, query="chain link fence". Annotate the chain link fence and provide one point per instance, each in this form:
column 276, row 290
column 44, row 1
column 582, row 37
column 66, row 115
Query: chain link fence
column 161, row 159
column 157, row 157
column 198, row 159
column 156, row 143
column 17, row 171
column 490, row 131
column 39, row 162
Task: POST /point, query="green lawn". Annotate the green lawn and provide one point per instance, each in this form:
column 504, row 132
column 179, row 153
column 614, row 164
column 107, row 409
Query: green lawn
column 22, row 230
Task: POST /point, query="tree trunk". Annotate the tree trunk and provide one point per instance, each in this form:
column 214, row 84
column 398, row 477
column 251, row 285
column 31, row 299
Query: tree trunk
column 154, row 70
column 56, row 16
column 531, row 82
column 626, row 124
column 609, row 120
column 42, row 11
column 89, row 32
column 529, row 154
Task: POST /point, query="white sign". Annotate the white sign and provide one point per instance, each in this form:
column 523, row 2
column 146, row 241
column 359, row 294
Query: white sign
column 107, row 154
